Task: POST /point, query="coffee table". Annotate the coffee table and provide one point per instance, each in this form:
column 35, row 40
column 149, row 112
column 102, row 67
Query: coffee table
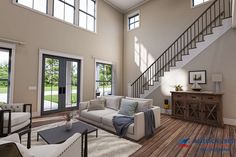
column 59, row 134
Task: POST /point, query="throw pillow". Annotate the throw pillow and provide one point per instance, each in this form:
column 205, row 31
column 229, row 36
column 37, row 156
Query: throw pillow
column 113, row 102
column 96, row 104
column 128, row 107
column 143, row 104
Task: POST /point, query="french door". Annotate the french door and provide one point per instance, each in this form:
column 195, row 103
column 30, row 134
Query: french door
column 60, row 84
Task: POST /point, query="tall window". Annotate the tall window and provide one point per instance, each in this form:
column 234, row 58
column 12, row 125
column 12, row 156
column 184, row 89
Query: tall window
column 5, row 68
column 64, row 10
column 40, row 5
column 197, row 2
column 87, row 17
column 103, row 79
column 133, row 21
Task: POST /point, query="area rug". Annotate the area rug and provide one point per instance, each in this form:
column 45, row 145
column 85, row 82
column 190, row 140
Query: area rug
column 105, row 145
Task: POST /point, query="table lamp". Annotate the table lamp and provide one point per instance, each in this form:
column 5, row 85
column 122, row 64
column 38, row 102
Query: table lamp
column 217, row 79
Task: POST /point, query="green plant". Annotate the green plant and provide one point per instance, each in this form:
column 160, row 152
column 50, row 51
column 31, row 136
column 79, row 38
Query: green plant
column 178, row 87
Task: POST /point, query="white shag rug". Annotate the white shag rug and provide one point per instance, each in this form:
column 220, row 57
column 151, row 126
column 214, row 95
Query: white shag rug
column 105, row 145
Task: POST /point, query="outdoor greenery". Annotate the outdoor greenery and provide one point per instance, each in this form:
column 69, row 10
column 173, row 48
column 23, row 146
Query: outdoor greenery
column 4, row 75
column 104, row 75
column 54, row 98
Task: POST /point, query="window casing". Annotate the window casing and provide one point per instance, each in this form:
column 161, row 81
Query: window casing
column 199, row 2
column 5, row 74
column 103, row 79
column 81, row 13
column 133, row 21
column 87, row 10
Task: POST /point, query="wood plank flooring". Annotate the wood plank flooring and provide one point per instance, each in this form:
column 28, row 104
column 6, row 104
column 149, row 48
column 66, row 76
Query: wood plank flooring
column 166, row 141
column 202, row 140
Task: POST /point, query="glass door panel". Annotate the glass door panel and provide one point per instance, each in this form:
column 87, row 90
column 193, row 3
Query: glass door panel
column 51, row 84
column 61, row 84
column 4, row 75
column 71, row 84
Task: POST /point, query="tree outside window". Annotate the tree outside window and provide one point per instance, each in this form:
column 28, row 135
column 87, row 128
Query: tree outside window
column 103, row 79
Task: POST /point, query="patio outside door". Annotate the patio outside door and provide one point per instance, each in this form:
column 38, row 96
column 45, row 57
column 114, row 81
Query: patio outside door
column 60, row 84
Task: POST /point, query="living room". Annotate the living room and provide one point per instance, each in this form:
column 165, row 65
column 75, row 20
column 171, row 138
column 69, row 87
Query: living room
column 58, row 54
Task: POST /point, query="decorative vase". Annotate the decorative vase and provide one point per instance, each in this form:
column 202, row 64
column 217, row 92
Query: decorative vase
column 196, row 87
column 68, row 125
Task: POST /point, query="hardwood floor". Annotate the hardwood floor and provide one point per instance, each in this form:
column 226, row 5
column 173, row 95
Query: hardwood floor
column 166, row 141
column 203, row 140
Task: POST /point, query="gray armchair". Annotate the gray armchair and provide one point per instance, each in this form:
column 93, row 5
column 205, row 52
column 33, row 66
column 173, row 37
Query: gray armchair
column 15, row 118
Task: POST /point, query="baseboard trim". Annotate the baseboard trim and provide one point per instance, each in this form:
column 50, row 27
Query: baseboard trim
column 35, row 114
column 229, row 121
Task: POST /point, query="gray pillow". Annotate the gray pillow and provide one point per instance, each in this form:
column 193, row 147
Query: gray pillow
column 96, row 104
column 113, row 102
column 128, row 107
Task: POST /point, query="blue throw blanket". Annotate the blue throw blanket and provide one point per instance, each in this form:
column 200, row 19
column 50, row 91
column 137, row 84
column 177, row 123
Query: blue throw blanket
column 121, row 124
column 149, row 118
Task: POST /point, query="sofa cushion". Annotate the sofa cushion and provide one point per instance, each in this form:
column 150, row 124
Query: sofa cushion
column 107, row 121
column 96, row 104
column 16, row 118
column 113, row 102
column 23, row 150
column 128, row 107
column 143, row 104
column 96, row 115
column 16, row 127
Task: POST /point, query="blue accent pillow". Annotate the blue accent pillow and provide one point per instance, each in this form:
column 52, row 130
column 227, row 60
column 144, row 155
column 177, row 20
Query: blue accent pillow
column 128, row 107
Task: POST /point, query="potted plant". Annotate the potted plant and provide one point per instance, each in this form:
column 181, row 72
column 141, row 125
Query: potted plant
column 178, row 87
column 68, row 118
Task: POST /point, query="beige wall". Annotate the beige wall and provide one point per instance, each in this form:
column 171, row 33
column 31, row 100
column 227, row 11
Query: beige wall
column 39, row 31
column 156, row 34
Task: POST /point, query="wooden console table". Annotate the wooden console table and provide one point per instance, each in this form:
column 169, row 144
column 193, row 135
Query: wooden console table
column 202, row 107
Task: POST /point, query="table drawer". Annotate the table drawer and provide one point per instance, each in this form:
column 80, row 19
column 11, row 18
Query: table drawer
column 178, row 96
column 193, row 97
column 211, row 98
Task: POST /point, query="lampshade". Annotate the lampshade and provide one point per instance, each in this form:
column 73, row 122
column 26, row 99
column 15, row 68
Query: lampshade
column 217, row 77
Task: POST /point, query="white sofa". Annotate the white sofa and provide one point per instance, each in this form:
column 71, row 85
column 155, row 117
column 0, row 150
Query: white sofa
column 103, row 118
column 70, row 148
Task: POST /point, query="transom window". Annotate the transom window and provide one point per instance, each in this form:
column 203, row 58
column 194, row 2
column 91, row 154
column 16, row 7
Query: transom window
column 103, row 79
column 133, row 21
column 64, row 10
column 81, row 13
column 87, row 14
column 5, row 69
column 40, row 5
column 198, row 2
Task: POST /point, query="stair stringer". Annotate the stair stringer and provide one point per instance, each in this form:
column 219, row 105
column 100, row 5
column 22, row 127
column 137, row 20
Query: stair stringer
column 200, row 47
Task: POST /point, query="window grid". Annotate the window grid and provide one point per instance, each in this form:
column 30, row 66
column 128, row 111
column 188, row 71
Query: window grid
column 134, row 21
column 88, row 15
column 65, row 4
column 104, row 81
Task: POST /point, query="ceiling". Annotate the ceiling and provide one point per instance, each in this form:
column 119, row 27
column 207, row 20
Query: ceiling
column 125, row 5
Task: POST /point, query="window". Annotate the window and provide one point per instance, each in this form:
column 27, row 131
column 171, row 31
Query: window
column 5, row 69
column 103, row 79
column 64, row 10
column 81, row 13
column 87, row 14
column 40, row 5
column 133, row 21
column 198, row 2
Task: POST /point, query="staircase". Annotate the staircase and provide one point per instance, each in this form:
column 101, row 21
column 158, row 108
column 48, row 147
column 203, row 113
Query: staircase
column 207, row 28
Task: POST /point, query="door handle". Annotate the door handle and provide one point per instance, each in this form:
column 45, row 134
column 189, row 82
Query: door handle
column 64, row 90
column 60, row 90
